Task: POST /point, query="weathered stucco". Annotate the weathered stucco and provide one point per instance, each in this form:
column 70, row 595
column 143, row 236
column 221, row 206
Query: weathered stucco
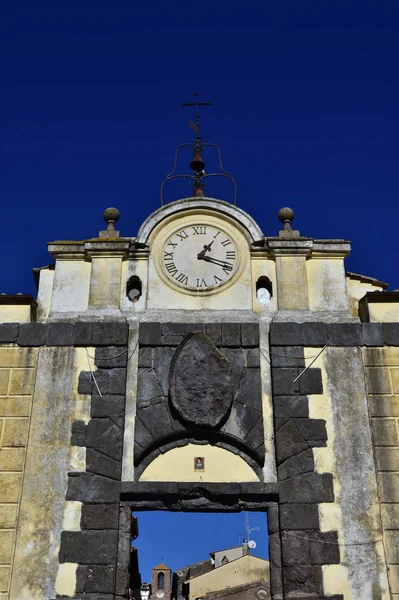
column 55, row 404
column 355, row 512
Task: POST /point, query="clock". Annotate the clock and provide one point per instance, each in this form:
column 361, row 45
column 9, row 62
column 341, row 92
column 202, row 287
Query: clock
column 200, row 257
column 160, row 593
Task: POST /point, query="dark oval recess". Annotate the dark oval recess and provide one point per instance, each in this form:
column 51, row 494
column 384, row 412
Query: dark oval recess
column 201, row 387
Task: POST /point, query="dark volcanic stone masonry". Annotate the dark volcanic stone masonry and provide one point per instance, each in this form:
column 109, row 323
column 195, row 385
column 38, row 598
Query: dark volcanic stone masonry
column 304, row 548
column 180, row 362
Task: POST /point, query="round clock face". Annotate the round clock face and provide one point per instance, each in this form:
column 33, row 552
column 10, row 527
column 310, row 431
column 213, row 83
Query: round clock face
column 160, row 593
column 200, row 257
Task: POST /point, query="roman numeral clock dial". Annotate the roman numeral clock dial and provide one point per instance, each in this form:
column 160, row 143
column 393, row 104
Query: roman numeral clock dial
column 200, row 257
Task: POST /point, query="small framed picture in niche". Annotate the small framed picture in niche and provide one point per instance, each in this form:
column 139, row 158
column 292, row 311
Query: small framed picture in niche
column 199, row 463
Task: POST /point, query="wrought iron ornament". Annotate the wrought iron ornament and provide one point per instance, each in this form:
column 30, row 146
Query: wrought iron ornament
column 197, row 164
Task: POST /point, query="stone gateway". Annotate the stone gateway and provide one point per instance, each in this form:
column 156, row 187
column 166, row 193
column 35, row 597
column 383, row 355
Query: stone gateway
column 200, row 339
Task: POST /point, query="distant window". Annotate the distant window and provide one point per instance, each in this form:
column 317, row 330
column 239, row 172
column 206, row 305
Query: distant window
column 225, row 560
column 264, row 290
column 161, row 580
column 133, row 289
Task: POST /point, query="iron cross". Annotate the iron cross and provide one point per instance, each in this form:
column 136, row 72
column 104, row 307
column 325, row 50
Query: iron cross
column 197, row 104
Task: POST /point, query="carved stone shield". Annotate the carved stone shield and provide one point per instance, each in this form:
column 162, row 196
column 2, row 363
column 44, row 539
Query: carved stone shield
column 201, row 387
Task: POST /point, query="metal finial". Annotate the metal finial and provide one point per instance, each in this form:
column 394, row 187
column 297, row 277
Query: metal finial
column 197, row 164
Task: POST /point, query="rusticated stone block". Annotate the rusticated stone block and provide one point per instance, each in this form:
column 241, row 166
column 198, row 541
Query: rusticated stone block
column 384, row 432
column 372, row 334
column 345, row 334
column 241, row 420
column 145, row 357
column 289, row 442
column 162, row 361
column 88, row 487
column 104, row 435
column 299, row 516
column 324, row 550
column 231, row 334
column 313, row 334
column 387, row 459
column 388, row 486
column 291, row 406
column 301, row 579
column 100, row 516
column 311, row 382
column 250, row 391
column 250, row 335
column 97, row 462
column 252, row 358
column 391, row 334
column 285, row 334
column 180, row 329
column 111, row 381
column 156, row 419
column 107, row 406
column 110, row 357
column 9, row 333
column 307, row 488
column 101, row 334
column 295, row 465
column 283, row 382
column 147, row 386
column 150, row 334
column 85, row 384
column 32, row 334
column 78, row 437
column 214, row 332
column 88, row 547
column 312, row 429
column 60, row 334
column 295, row 548
column 95, row 578
column 287, row 356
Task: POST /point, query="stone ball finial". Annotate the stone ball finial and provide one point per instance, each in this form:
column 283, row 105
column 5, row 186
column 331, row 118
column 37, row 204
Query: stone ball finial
column 111, row 215
column 286, row 214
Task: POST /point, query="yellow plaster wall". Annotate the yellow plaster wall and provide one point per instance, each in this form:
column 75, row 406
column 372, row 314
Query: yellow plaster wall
column 15, row 314
column 44, row 294
column 293, row 293
column 17, row 378
column 178, row 465
column 243, row 570
column 356, row 291
column 327, row 286
column 384, row 312
column 338, row 579
column 382, row 376
column 105, row 282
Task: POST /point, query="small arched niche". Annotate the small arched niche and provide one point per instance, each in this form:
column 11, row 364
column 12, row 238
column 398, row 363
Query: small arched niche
column 264, row 290
column 134, row 289
column 195, row 462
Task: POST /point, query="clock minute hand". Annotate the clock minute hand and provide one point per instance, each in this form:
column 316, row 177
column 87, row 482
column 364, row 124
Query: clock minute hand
column 216, row 261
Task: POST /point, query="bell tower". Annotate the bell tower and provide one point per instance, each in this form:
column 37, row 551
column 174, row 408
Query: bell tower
column 161, row 583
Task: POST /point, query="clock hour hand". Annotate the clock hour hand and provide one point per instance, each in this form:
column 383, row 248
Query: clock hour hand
column 221, row 263
column 207, row 248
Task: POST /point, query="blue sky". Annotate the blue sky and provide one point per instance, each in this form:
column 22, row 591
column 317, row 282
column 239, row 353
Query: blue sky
column 180, row 539
column 305, row 109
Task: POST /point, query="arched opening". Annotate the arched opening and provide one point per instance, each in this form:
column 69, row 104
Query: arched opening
column 134, row 289
column 264, row 290
column 161, row 581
